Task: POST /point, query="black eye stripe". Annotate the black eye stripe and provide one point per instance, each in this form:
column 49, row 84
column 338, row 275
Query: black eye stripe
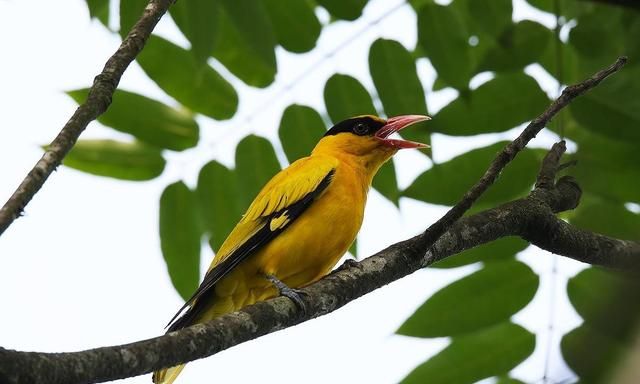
column 371, row 125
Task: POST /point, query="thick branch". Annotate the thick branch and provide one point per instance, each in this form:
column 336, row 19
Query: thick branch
column 344, row 285
column 98, row 100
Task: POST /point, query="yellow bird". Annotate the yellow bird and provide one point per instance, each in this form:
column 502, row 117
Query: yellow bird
column 300, row 224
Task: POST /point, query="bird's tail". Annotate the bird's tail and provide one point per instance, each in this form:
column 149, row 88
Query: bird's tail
column 201, row 312
column 167, row 375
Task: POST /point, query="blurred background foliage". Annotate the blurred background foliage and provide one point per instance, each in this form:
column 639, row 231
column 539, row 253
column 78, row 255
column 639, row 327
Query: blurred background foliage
column 461, row 40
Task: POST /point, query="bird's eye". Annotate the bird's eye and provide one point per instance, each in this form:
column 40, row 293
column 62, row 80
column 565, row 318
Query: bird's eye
column 360, row 129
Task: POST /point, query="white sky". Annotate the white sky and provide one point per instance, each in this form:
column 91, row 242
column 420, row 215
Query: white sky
column 83, row 268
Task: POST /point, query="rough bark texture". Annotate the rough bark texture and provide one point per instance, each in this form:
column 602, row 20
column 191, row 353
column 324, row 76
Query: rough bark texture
column 98, row 100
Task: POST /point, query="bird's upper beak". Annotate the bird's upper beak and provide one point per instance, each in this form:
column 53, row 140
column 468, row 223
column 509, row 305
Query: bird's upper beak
column 395, row 124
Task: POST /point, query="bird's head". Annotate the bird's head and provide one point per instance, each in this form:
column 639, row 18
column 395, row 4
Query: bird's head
column 366, row 138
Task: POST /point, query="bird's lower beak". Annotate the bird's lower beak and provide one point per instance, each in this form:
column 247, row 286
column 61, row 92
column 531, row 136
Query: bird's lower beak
column 397, row 123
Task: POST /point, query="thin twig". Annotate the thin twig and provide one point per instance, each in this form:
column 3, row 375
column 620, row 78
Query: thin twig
column 549, row 168
column 532, row 218
column 98, row 100
column 567, row 164
column 510, row 151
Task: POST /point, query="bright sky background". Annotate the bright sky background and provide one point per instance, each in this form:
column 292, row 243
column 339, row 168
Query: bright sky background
column 83, row 268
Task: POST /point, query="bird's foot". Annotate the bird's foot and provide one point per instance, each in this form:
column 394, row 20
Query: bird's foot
column 293, row 294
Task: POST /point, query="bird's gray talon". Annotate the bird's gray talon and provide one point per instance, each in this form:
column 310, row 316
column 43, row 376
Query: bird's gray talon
column 292, row 294
column 295, row 295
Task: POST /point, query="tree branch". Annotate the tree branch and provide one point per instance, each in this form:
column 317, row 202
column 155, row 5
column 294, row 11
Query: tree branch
column 98, row 100
column 510, row 151
column 532, row 218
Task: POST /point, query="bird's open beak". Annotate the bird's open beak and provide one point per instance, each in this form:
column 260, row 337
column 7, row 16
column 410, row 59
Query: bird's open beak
column 395, row 124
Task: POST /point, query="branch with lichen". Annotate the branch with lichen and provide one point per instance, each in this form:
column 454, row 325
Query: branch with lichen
column 533, row 218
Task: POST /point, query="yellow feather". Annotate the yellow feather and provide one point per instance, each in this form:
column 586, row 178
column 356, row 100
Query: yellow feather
column 167, row 376
column 279, row 222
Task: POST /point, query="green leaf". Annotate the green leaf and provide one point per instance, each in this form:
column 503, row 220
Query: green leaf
column 100, row 10
column 130, row 12
column 439, row 84
column 386, row 183
column 245, row 41
column 353, row 250
column 180, row 237
column 256, row 163
column 567, row 8
column 607, row 301
column 496, row 106
column 198, row 87
column 444, row 38
column 446, row 183
column 521, row 44
column 596, row 34
column 300, row 129
column 394, row 74
column 396, row 79
column 591, row 354
column 498, row 250
column 467, row 359
column 493, row 17
column 602, row 33
column 606, row 217
column 127, row 161
column 148, row 120
column 295, row 23
column 218, row 194
column 484, row 298
column 344, row 9
column 613, row 108
column 631, row 22
column 565, row 68
column 346, row 97
column 197, row 19
column 417, row 4
column 608, row 168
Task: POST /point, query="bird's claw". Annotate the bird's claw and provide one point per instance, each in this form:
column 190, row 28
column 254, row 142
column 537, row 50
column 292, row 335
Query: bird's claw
column 292, row 294
column 295, row 295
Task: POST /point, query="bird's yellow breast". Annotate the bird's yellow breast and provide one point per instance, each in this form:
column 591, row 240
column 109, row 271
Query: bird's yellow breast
column 305, row 251
column 311, row 245
column 314, row 243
